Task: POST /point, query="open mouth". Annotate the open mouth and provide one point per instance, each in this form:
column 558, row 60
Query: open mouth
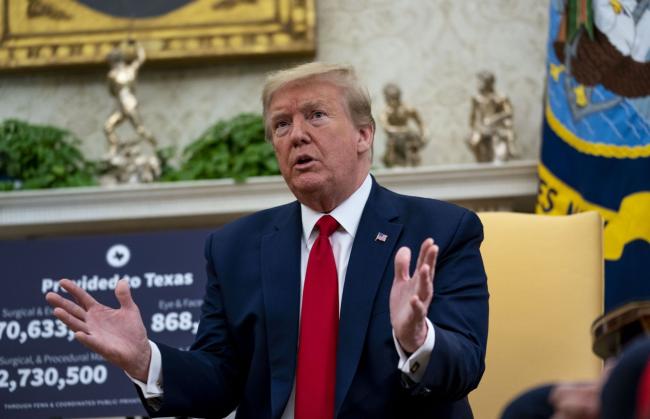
column 303, row 161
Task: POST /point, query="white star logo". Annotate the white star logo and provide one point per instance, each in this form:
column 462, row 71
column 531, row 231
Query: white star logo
column 118, row 255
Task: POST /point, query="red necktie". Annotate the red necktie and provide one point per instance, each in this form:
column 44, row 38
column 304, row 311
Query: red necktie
column 319, row 325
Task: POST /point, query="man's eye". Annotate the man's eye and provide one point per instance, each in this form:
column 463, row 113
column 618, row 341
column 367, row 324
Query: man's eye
column 318, row 116
column 281, row 127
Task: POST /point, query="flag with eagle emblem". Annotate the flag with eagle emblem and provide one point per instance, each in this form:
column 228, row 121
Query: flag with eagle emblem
column 596, row 131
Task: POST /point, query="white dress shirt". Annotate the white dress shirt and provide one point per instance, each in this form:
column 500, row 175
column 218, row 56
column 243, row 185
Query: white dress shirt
column 348, row 215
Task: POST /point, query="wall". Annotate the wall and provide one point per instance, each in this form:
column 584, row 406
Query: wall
column 431, row 48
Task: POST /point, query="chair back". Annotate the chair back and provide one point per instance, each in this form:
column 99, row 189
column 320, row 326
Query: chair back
column 545, row 277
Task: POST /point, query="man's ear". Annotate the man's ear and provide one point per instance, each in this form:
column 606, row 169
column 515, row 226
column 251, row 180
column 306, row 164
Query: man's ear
column 366, row 135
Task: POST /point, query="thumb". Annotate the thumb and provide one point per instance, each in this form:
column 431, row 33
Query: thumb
column 123, row 294
column 402, row 261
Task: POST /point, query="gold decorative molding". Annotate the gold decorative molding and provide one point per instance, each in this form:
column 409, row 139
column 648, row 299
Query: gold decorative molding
column 41, row 33
column 41, row 8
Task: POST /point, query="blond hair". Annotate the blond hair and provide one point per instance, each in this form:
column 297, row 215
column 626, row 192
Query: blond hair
column 356, row 95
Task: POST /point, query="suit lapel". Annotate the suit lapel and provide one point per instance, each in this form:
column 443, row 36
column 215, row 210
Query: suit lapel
column 280, row 267
column 368, row 261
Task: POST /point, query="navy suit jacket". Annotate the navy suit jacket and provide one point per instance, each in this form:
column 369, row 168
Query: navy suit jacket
column 245, row 351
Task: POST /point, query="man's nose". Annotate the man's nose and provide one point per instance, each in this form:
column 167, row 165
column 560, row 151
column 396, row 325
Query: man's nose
column 299, row 134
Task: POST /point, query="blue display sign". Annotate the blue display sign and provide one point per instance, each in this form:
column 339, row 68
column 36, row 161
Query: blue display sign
column 44, row 372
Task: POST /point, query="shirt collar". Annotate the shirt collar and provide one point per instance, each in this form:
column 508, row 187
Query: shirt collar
column 348, row 213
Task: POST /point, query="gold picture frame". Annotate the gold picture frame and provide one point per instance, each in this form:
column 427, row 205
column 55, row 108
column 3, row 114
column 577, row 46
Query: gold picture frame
column 46, row 33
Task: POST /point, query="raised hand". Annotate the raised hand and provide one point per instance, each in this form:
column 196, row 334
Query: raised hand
column 118, row 335
column 410, row 296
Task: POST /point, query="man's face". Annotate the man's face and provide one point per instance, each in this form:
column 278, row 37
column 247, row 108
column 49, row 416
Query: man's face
column 323, row 157
column 486, row 85
column 393, row 101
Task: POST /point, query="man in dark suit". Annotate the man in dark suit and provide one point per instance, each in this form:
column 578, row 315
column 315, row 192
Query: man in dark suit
column 310, row 309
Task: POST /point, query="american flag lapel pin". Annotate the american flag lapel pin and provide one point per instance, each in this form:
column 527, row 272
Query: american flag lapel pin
column 381, row 237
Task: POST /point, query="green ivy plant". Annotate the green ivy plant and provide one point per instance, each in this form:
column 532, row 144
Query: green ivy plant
column 41, row 156
column 235, row 148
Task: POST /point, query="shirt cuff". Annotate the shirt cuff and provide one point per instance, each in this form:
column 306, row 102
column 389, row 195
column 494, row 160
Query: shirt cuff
column 415, row 365
column 153, row 387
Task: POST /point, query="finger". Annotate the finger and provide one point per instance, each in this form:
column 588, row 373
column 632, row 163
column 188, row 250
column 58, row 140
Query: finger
column 432, row 257
column 424, row 247
column 123, row 294
column 69, row 320
column 419, row 310
column 55, row 300
column 424, row 286
column 402, row 261
column 83, row 298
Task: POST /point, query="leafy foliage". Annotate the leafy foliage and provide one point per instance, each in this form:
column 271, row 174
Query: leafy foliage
column 166, row 155
column 235, row 148
column 41, row 156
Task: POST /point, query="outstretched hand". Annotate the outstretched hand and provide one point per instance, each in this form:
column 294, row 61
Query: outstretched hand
column 410, row 297
column 118, row 335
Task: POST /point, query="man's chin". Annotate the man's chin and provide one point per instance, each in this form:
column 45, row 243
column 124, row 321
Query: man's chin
column 307, row 184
